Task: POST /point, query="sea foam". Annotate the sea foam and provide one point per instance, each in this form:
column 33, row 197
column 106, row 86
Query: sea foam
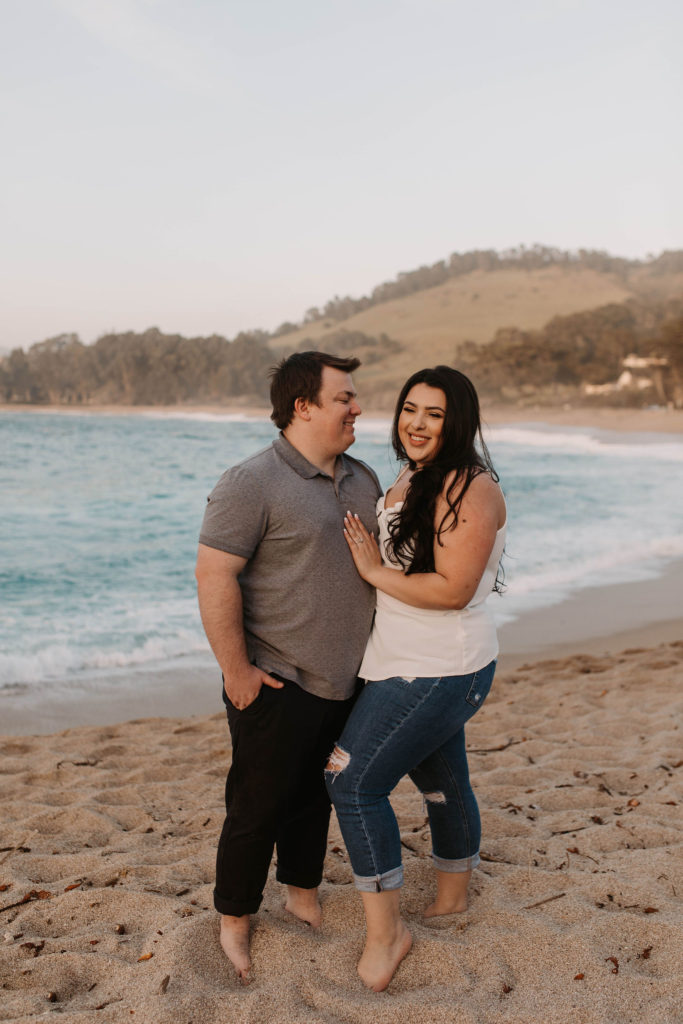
column 104, row 512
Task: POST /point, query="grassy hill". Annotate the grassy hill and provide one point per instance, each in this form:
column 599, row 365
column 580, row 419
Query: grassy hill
column 432, row 323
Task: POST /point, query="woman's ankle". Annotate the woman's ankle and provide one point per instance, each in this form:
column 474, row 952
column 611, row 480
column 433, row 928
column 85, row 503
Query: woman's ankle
column 451, row 893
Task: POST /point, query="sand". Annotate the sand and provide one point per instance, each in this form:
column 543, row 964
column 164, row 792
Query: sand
column 109, row 836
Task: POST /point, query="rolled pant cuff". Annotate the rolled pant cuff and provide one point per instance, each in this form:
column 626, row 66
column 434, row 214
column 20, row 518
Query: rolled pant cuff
column 235, row 908
column 380, row 883
column 289, row 876
column 455, row 866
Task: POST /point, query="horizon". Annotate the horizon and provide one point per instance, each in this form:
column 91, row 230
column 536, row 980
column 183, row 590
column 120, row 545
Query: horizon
column 225, row 168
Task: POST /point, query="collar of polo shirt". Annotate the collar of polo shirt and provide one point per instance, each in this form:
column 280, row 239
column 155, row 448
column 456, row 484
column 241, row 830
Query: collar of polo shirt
column 300, row 464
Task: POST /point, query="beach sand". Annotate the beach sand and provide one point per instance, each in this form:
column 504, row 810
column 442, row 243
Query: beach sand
column 109, row 836
column 654, row 420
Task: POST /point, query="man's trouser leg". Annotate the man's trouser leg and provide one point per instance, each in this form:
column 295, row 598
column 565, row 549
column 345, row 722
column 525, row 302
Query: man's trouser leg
column 275, row 793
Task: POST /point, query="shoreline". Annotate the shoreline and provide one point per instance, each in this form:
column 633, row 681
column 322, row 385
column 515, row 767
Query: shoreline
column 594, row 620
column 600, row 621
column 649, row 421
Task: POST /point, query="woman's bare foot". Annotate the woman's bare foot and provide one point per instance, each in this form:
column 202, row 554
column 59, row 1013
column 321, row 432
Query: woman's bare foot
column 379, row 961
column 235, row 944
column 451, row 893
column 304, row 904
column 437, row 907
column 387, row 941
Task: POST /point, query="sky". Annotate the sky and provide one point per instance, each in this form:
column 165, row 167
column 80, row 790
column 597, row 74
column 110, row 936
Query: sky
column 215, row 166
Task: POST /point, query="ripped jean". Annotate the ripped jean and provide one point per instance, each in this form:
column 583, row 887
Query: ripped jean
column 409, row 727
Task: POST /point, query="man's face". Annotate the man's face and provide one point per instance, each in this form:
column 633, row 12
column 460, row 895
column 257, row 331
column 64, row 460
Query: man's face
column 334, row 417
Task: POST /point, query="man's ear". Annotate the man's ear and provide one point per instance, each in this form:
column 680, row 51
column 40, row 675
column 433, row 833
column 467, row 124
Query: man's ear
column 302, row 408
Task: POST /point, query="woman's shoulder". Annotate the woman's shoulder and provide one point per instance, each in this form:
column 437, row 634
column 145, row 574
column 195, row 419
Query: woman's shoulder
column 483, row 493
column 483, row 482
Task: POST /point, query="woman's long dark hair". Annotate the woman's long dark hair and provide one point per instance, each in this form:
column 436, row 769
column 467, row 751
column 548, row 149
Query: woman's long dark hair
column 412, row 531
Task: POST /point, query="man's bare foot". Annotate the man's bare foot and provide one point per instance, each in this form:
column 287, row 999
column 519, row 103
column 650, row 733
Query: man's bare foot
column 304, row 904
column 379, row 961
column 235, row 944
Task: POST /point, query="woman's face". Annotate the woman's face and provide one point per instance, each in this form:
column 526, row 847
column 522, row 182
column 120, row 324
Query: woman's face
column 420, row 422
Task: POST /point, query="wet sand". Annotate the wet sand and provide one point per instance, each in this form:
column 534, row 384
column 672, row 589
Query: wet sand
column 655, row 420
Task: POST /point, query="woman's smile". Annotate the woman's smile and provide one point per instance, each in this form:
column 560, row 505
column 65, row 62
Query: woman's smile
column 420, row 422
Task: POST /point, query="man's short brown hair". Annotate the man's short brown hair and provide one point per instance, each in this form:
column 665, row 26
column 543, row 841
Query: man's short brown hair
column 300, row 376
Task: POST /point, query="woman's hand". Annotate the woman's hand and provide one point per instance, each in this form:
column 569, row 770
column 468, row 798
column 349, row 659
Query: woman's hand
column 363, row 547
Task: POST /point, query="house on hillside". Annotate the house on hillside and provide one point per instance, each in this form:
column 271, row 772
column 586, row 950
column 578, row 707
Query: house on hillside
column 643, row 373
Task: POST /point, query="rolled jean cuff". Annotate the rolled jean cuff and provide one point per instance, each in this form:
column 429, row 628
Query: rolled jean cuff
column 380, row 883
column 455, row 866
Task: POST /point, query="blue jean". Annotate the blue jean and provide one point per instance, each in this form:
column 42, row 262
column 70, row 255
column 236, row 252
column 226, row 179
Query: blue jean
column 409, row 727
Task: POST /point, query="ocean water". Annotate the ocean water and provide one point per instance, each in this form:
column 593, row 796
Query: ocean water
column 101, row 513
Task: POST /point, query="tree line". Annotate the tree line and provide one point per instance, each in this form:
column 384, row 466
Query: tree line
column 521, row 257
column 152, row 368
column 582, row 348
column 148, row 368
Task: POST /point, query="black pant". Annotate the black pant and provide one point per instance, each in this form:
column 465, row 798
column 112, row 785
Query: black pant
column 275, row 794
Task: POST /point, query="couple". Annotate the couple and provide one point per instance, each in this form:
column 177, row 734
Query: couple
column 296, row 546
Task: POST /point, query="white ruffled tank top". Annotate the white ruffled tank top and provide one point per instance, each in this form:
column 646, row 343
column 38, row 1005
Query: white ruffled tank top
column 413, row 642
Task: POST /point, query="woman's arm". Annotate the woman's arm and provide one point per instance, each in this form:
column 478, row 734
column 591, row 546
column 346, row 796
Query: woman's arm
column 460, row 558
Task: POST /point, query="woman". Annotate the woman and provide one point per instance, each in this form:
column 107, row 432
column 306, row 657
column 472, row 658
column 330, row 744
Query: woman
column 430, row 658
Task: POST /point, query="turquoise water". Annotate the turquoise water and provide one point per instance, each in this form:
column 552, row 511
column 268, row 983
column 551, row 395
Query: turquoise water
column 101, row 515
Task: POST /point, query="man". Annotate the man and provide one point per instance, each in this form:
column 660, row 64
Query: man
column 287, row 617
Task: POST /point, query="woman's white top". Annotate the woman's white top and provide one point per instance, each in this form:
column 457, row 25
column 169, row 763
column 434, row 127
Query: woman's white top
column 412, row 642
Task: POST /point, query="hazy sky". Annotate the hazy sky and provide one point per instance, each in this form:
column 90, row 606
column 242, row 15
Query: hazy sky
column 213, row 165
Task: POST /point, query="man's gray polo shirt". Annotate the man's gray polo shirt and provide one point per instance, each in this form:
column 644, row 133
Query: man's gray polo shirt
column 307, row 612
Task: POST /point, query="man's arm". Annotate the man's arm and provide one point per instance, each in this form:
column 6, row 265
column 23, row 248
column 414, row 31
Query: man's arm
column 220, row 606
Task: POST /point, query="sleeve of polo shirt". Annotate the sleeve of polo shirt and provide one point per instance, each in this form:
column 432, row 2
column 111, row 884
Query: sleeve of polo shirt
column 373, row 476
column 375, row 480
column 235, row 518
